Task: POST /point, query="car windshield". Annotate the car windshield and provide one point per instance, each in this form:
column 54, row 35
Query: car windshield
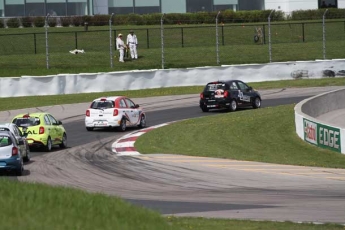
column 5, row 141
column 214, row 86
column 27, row 121
column 102, row 105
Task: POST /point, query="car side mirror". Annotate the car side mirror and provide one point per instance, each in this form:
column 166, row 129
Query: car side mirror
column 250, row 88
column 136, row 106
column 59, row 122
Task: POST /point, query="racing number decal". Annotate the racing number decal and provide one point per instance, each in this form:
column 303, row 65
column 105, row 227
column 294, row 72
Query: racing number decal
column 243, row 97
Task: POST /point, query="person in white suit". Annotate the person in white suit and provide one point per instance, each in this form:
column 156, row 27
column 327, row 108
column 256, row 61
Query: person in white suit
column 120, row 46
column 132, row 43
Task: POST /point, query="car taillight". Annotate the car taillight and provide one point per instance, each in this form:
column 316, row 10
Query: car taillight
column 14, row 151
column 41, row 130
column 201, row 95
column 116, row 112
column 226, row 94
column 87, row 113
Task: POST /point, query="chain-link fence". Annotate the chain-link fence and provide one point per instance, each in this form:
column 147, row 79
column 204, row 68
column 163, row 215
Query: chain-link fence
column 176, row 46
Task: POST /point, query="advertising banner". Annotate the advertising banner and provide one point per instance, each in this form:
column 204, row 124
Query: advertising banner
column 322, row 135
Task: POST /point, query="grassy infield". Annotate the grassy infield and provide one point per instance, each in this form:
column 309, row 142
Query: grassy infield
column 29, row 206
column 238, row 48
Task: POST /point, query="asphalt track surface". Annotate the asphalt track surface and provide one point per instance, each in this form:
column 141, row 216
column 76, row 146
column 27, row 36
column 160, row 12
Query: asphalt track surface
column 190, row 186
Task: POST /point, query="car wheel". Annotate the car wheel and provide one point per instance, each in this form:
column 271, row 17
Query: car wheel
column 64, row 141
column 204, row 109
column 89, row 128
column 20, row 170
column 49, row 145
column 142, row 122
column 27, row 157
column 256, row 103
column 233, row 105
column 123, row 126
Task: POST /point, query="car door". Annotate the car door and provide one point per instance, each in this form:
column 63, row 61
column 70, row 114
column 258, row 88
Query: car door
column 50, row 124
column 124, row 110
column 244, row 93
column 58, row 128
column 18, row 135
column 134, row 112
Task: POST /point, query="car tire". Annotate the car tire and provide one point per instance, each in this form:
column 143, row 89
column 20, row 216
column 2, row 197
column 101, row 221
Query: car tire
column 256, row 103
column 89, row 128
column 204, row 109
column 27, row 157
column 233, row 105
column 142, row 122
column 19, row 172
column 49, row 145
column 122, row 126
column 64, row 141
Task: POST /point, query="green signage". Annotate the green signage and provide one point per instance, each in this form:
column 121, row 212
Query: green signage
column 322, row 135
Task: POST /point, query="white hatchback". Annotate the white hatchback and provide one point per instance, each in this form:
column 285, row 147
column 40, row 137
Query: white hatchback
column 118, row 111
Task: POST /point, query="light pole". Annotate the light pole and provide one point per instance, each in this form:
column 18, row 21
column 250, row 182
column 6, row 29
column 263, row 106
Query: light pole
column 162, row 40
column 47, row 47
column 217, row 36
column 324, row 34
column 111, row 41
column 269, row 37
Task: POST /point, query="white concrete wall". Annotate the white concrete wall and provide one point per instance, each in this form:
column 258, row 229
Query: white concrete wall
column 281, row 5
column 145, row 79
column 303, row 5
column 311, row 107
column 288, row 5
column 341, row 3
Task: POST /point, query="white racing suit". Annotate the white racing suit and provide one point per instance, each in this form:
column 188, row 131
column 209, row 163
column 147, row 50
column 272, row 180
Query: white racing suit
column 132, row 43
column 120, row 46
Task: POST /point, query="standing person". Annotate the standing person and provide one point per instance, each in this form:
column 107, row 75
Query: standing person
column 120, row 46
column 259, row 35
column 132, row 43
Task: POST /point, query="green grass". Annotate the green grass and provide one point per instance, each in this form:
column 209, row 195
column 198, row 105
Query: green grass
column 36, row 101
column 18, row 47
column 36, row 206
column 224, row 224
column 263, row 135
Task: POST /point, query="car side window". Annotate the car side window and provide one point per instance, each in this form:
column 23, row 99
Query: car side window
column 242, row 86
column 52, row 119
column 47, row 121
column 16, row 131
column 130, row 103
column 233, row 86
column 123, row 104
column 5, row 141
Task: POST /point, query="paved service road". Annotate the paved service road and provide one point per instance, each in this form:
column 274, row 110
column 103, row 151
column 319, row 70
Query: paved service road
column 193, row 186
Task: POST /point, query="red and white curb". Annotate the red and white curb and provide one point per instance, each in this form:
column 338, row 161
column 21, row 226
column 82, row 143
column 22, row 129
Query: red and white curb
column 124, row 146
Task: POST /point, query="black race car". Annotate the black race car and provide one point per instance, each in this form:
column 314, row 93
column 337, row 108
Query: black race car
column 229, row 95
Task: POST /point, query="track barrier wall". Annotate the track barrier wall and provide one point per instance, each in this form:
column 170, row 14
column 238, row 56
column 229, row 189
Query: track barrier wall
column 315, row 131
column 158, row 78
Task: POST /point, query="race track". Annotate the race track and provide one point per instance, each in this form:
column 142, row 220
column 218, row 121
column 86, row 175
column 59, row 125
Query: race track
column 182, row 185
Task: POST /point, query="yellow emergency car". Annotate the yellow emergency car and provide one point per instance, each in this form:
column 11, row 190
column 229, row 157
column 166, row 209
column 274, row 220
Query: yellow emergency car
column 42, row 130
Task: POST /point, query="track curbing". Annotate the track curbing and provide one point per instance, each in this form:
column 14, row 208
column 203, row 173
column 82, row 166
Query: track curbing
column 124, row 146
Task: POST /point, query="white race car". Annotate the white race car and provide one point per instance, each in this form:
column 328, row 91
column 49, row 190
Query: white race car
column 117, row 111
